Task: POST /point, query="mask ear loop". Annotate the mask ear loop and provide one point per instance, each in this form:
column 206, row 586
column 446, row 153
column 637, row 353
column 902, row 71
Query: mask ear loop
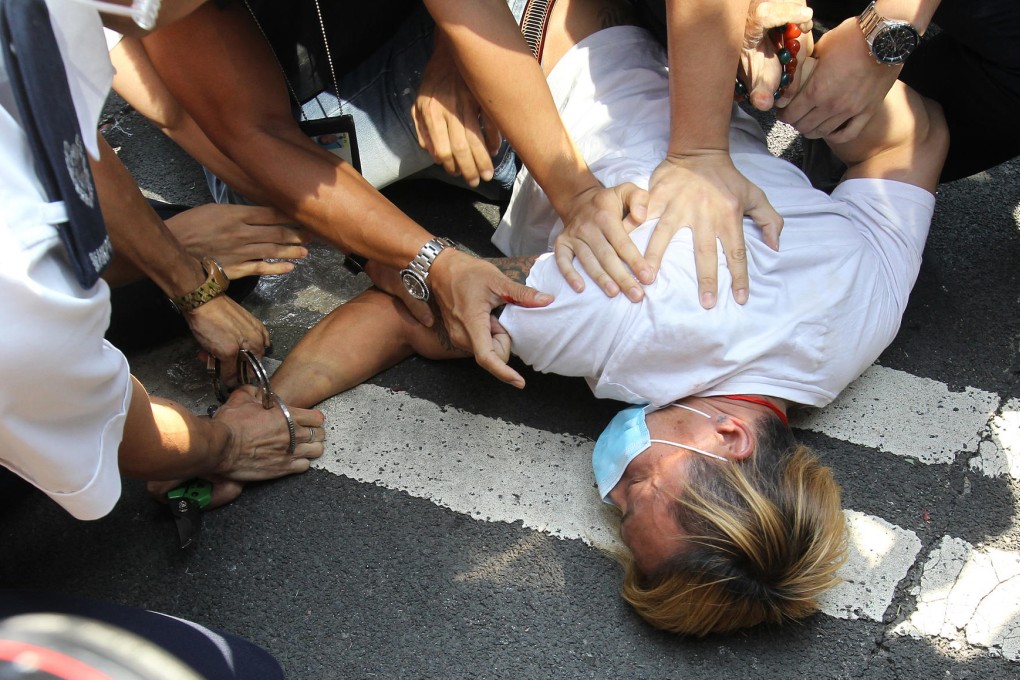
column 690, row 448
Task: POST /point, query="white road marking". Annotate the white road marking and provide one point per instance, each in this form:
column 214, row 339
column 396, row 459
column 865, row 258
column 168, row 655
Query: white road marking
column 969, row 596
column 486, row 468
column 879, row 556
column 1001, row 455
column 905, row 415
column 512, row 473
column 497, row 471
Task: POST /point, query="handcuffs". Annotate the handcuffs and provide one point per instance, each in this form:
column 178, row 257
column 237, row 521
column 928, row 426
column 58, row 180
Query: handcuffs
column 250, row 371
column 189, row 499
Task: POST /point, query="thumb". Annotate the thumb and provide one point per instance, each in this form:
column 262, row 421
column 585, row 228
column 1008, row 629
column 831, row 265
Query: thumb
column 524, row 296
column 636, row 201
column 225, row 491
column 766, row 217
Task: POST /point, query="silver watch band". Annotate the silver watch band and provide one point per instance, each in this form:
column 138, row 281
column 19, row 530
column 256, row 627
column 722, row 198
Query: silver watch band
column 427, row 255
column 415, row 275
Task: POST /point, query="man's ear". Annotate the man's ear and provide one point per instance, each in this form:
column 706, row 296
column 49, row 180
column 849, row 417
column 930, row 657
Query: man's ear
column 739, row 437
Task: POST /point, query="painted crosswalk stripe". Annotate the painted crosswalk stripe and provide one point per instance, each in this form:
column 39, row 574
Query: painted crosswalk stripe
column 905, row 415
column 498, row 471
column 1000, row 454
column 969, row 596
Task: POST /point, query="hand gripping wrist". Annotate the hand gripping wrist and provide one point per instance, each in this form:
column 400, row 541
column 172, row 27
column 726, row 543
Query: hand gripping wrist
column 216, row 284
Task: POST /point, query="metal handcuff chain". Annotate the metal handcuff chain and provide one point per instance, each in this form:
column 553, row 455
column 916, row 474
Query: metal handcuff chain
column 250, row 371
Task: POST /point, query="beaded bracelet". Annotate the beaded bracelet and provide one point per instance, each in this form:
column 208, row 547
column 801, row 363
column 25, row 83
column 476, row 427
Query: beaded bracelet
column 784, row 38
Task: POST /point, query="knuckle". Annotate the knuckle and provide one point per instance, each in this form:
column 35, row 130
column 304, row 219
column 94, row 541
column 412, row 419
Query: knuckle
column 705, row 249
column 731, row 206
column 737, row 255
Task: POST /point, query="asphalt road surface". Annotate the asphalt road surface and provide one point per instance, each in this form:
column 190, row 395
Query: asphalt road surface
column 452, row 529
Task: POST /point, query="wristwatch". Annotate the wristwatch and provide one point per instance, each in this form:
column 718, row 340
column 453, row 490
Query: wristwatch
column 415, row 276
column 890, row 42
column 216, row 283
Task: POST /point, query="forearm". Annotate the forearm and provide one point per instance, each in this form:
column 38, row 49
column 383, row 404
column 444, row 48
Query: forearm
column 253, row 127
column 509, row 84
column 326, row 195
column 705, row 37
column 162, row 440
column 138, row 235
column 515, row 268
column 354, row 342
column 140, row 85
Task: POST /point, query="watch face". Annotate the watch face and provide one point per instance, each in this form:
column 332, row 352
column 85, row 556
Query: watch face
column 894, row 43
column 415, row 285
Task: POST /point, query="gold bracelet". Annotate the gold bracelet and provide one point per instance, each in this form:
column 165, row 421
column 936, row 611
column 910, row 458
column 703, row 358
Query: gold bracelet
column 216, row 284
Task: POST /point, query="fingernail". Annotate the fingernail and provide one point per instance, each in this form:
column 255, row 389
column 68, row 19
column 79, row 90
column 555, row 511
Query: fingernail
column 612, row 290
column 708, row 299
column 545, row 298
column 487, row 175
column 740, row 295
column 635, row 294
column 428, row 320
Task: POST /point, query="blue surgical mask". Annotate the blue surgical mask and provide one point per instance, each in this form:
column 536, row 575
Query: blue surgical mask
column 624, row 439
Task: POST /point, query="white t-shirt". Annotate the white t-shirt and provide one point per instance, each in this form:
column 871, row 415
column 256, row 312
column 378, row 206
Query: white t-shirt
column 821, row 309
column 65, row 390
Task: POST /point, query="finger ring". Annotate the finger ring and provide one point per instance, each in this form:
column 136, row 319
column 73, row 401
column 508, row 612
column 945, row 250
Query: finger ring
column 311, row 435
column 290, row 426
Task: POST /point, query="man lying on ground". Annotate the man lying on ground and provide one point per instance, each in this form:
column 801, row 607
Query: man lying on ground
column 730, row 521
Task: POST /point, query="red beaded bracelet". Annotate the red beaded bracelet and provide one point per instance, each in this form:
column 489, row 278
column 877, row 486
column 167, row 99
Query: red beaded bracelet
column 784, row 38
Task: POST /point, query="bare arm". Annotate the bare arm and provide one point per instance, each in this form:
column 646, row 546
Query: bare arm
column 221, row 326
column 849, row 85
column 243, row 442
column 221, row 70
column 516, row 268
column 369, row 334
column 696, row 185
column 252, row 125
column 140, row 85
column 905, row 140
column 509, row 84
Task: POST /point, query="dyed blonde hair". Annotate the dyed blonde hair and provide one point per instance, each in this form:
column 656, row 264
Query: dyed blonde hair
column 761, row 539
